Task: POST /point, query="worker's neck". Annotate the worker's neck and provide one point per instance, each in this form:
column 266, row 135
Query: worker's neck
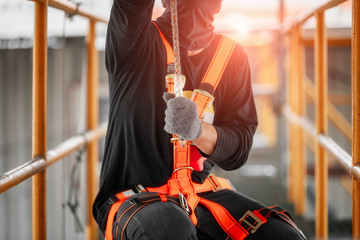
column 194, row 52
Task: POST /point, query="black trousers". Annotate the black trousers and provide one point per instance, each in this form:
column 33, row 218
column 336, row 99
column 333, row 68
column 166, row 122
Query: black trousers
column 165, row 220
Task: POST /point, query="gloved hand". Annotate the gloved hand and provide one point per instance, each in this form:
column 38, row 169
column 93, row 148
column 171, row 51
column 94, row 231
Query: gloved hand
column 181, row 117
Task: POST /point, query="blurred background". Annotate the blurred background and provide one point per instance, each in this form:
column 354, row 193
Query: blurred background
column 257, row 25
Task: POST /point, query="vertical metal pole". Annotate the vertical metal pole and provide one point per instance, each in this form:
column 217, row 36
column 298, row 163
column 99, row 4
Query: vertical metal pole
column 356, row 113
column 294, row 128
column 321, row 158
column 300, row 193
column 290, row 100
column 281, row 13
column 92, row 123
column 39, row 118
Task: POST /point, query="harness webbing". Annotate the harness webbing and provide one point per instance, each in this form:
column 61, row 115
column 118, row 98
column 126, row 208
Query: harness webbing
column 180, row 182
column 219, row 62
column 169, row 52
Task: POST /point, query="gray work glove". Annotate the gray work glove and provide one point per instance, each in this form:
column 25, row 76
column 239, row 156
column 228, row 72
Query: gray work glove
column 181, row 117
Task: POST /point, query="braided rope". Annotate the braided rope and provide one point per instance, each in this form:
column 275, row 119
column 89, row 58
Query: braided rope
column 178, row 84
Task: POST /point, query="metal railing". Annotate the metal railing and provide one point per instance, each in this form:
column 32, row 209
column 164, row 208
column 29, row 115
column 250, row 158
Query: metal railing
column 294, row 111
column 41, row 158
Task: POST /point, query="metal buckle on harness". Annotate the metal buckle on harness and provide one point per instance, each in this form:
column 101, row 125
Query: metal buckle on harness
column 204, row 93
column 183, row 168
column 257, row 222
column 139, row 188
column 181, row 141
column 184, row 203
column 212, row 178
column 169, row 80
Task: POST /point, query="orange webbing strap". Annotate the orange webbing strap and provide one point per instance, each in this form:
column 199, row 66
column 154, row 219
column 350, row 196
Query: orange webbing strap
column 225, row 220
column 204, row 99
column 180, row 180
column 122, row 196
column 211, row 183
column 219, row 62
column 169, row 51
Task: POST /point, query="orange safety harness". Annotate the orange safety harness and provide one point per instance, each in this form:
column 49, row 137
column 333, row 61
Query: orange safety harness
column 180, row 189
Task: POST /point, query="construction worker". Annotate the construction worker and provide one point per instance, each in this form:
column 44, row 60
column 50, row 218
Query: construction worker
column 142, row 117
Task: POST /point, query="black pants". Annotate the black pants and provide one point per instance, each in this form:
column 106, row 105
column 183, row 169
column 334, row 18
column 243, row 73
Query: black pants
column 165, row 220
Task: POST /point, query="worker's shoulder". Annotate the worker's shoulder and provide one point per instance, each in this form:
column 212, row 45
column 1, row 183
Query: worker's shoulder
column 239, row 51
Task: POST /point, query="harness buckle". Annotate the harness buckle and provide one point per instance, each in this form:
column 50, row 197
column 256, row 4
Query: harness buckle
column 169, row 81
column 214, row 182
column 181, row 141
column 208, row 98
column 139, row 188
column 184, row 203
column 257, row 221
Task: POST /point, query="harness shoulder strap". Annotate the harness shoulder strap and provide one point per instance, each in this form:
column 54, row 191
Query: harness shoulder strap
column 219, row 62
column 203, row 97
column 169, row 50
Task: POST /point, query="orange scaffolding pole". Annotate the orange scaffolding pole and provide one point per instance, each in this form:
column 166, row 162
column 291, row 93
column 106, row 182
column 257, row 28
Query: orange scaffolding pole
column 356, row 113
column 297, row 166
column 321, row 113
column 39, row 118
column 92, row 123
column 290, row 99
column 299, row 106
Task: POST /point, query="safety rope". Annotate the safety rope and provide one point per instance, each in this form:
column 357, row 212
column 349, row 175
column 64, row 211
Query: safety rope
column 72, row 202
column 73, row 197
column 178, row 83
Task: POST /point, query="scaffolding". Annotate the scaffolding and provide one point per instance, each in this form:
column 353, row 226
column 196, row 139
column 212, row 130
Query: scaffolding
column 298, row 88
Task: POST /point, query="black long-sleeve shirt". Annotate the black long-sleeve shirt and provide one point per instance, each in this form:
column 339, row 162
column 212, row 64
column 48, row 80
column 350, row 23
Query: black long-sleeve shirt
column 137, row 149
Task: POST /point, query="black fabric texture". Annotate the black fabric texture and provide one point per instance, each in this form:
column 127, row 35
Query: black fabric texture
column 195, row 18
column 137, row 149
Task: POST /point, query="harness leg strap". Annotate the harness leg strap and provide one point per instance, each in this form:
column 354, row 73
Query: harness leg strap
column 225, row 220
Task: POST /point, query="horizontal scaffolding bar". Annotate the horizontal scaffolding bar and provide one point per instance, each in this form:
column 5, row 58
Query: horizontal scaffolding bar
column 303, row 17
column 331, row 42
column 341, row 156
column 320, row 8
column 27, row 170
column 74, row 9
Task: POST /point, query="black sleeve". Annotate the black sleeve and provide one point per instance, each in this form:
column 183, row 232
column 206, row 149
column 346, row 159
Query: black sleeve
column 236, row 118
column 127, row 31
